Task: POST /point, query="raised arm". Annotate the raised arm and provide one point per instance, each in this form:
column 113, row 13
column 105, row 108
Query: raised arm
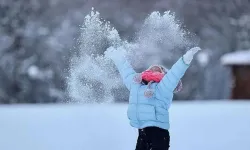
column 177, row 71
column 125, row 69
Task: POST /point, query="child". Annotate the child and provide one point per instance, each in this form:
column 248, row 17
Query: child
column 151, row 94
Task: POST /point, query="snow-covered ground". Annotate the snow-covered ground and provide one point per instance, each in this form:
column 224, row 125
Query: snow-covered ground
column 212, row 125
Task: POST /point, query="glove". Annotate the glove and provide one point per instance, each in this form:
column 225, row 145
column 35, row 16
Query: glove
column 188, row 57
column 115, row 54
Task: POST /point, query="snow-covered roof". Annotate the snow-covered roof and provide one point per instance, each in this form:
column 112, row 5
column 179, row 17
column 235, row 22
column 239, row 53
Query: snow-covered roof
column 236, row 58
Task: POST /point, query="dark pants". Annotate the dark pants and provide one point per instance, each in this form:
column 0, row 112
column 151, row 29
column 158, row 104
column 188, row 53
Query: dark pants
column 153, row 138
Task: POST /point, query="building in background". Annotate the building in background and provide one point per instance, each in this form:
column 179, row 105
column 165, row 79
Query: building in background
column 239, row 63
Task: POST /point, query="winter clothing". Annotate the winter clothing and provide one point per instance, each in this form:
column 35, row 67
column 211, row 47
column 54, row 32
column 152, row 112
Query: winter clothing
column 153, row 111
column 188, row 57
column 161, row 68
column 148, row 111
column 150, row 97
column 153, row 138
column 149, row 75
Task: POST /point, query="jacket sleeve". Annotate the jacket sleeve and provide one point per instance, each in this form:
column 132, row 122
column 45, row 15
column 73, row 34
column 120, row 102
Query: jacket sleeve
column 173, row 76
column 126, row 71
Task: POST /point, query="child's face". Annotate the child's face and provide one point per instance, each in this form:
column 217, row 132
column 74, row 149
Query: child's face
column 156, row 69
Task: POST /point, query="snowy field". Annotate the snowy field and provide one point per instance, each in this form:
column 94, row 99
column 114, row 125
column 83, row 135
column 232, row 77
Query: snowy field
column 194, row 126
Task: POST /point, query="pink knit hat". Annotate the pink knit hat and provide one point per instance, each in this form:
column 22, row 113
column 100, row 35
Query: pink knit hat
column 149, row 92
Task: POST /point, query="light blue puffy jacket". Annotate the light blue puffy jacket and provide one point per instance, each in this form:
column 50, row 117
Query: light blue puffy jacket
column 142, row 111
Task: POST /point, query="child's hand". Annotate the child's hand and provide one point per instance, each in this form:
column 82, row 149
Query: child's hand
column 194, row 50
column 115, row 54
column 109, row 52
column 188, row 57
